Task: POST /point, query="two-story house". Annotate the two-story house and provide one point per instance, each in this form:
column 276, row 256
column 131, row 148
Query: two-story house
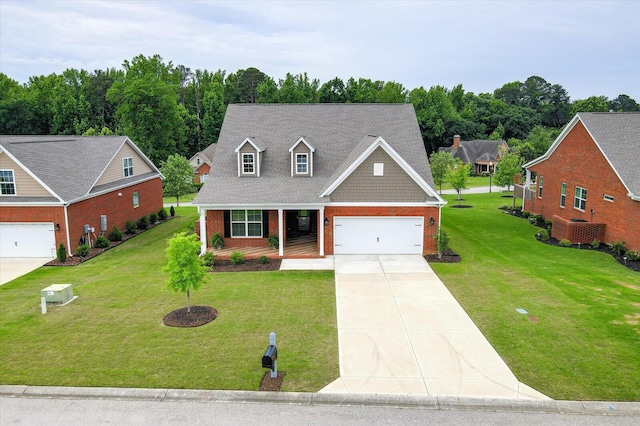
column 201, row 163
column 61, row 189
column 353, row 178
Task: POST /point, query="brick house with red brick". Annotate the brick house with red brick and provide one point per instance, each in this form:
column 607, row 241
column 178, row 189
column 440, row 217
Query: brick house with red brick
column 352, row 178
column 52, row 186
column 588, row 182
column 201, row 163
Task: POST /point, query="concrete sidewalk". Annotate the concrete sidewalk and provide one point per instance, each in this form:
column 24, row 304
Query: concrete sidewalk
column 400, row 331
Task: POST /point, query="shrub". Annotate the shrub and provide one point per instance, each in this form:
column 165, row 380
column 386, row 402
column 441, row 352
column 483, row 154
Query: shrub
column 549, row 223
column 595, row 244
column 83, row 250
column 526, row 214
column 632, row 255
column 153, row 218
column 442, row 242
column 197, row 186
column 263, row 259
column 162, row 213
column 543, row 235
column 208, row 259
column 143, row 222
column 618, row 248
column 172, row 211
column 274, row 242
column 504, row 207
column 115, row 234
column 102, row 242
column 130, row 227
column 565, row 243
column 217, row 241
column 237, row 257
column 62, row 253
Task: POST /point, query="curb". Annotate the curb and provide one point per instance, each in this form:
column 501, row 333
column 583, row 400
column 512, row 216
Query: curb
column 307, row 398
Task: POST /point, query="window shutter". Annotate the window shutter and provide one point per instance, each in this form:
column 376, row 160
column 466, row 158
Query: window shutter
column 265, row 223
column 227, row 223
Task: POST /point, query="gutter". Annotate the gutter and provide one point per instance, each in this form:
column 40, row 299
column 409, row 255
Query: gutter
column 66, row 228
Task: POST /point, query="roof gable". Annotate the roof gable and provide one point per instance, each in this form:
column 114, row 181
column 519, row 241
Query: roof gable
column 20, row 169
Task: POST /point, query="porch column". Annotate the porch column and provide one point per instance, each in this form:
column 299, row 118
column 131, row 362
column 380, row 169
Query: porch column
column 321, row 231
column 280, row 232
column 203, row 230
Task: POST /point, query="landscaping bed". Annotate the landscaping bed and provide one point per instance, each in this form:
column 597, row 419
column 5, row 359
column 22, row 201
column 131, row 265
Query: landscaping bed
column 224, row 265
column 449, row 256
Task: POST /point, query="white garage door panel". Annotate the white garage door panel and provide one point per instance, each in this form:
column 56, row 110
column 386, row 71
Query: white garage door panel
column 378, row 235
column 27, row 240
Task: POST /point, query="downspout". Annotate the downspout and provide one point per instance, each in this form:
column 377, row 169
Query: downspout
column 527, row 183
column 66, row 229
column 203, row 230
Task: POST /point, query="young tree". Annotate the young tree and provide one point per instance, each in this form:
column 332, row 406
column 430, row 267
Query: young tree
column 178, row 176
column 440, row 163
column 510, row 165
column 183, row 264
column 458, row 177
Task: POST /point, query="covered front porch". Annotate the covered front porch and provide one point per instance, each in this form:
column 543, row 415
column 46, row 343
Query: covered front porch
column 305, row 247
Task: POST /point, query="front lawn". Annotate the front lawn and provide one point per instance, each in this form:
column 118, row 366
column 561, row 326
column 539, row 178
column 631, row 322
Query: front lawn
column 581, row 337
column 474, row 182
column 112, row 335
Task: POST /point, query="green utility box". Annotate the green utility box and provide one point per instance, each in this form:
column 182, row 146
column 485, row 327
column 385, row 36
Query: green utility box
column 57, row 293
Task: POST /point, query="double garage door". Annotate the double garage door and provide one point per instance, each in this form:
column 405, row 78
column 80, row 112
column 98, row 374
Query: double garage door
column 378, row 235
column 27, row 240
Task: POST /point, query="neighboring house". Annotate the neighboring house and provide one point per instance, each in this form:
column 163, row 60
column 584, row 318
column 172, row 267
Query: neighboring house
column 588, row 182
column 201, row 163
column 482, row 155
column 52, row 186
column 351, row 178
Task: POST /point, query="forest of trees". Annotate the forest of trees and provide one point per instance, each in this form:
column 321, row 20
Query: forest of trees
column 170, row 109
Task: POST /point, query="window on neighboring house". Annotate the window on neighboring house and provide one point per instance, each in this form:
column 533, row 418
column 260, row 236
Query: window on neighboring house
column 540, row 184
column 563, row 194
column 608, row 197
column 246, row 223
column 302, row 164
column 136, row 199
column 204, row 177
column 7, row 183
column 127, row 165
column 198, row 160
column 247, row 163
column 580, row 199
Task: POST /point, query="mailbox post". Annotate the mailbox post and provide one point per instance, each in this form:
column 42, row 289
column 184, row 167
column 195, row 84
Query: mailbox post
column 270, row 357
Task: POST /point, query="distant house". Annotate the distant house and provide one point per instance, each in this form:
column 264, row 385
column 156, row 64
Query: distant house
column 588, row 182
column 64, row 189
column 346, row 178
column 201, row 163
column 483, row 155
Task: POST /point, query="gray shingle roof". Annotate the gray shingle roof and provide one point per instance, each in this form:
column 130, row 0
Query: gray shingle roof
column 618, row 135
column 336, row 131
column 68, row 165
column 476, row 151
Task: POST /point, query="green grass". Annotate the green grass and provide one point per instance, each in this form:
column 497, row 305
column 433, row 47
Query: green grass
column 112, row 335
column 187, row 198
column 474, row 182
column 585, row 344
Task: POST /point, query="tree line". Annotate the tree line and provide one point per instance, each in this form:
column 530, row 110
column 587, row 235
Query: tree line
column 170, row 109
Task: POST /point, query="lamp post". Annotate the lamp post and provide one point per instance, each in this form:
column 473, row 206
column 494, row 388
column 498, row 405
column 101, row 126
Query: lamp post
column 490, row 167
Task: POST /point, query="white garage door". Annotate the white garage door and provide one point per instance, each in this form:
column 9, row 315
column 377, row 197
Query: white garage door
column 377, row 235
column 27, row 240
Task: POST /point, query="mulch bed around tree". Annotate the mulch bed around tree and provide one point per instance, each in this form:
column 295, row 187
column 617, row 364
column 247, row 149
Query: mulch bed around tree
column 269, row 384
column 76, row 260
column 449, row 256
column 461, row 206
column 224, row 265
column 199, row 315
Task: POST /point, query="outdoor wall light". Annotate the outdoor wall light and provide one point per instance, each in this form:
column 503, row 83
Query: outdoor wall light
column 119, row 194
column 326, row 221
column 431, row 221
column 57, row 226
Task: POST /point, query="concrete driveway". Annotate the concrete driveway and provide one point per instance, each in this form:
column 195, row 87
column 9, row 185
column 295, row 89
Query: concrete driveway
column 400, row 331
column 14, row 267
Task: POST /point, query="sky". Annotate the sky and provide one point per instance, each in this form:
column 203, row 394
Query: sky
column 588, row 47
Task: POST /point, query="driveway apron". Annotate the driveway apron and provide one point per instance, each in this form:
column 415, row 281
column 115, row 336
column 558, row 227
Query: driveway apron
column 400, row 331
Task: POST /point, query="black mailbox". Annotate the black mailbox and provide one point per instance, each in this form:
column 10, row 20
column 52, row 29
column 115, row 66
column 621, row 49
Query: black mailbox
column 269, row 357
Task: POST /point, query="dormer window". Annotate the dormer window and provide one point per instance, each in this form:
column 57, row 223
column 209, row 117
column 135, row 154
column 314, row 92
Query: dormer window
column 248, row 163
column 302, row 164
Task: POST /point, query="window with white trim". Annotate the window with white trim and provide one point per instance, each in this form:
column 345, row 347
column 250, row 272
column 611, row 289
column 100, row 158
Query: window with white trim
column 248, row 163
column 540, row 182
column 127, row 166
column 7, row 183
column 563, row 194
column 136, row 199
column 302, row 164
column 204, row 177
column 246, row 223
column 608, row 197
column 580, row 199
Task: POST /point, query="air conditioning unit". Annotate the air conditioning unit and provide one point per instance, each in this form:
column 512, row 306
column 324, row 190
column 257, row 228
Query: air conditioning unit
column 57, row 293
